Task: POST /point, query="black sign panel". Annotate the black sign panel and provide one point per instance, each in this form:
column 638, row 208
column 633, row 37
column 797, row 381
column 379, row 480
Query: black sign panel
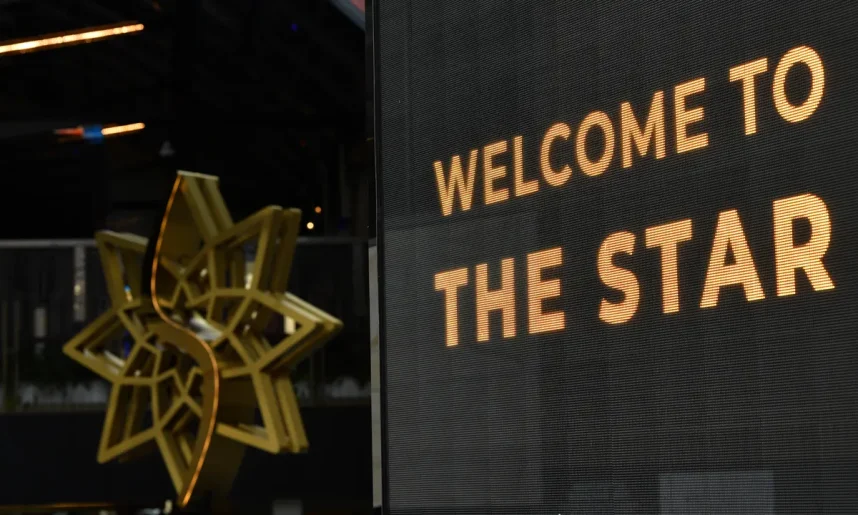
column 618, row 248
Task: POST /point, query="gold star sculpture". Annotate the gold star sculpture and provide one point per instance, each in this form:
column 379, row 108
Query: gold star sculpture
column 200, row 367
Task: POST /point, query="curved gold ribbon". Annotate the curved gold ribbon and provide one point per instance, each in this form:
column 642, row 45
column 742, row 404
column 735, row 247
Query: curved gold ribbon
column 200, row 351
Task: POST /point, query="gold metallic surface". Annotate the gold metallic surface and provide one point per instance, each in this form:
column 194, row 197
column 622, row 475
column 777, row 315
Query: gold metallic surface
column 200, row 366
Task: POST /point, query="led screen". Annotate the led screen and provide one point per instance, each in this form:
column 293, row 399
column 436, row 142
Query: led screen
column 618, row 256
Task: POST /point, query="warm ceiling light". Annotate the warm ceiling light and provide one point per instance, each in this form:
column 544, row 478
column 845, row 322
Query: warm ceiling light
column 119, row 129
column 69, row 38
column 310, row 225
column 318, row 209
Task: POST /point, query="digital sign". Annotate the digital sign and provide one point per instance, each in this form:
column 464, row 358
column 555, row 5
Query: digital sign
column 616, row 256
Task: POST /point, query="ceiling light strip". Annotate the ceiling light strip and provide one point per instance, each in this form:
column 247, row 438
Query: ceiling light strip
column 70, row 38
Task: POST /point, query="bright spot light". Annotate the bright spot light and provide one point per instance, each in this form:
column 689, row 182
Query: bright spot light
column 318, row 209
column 310, row 225
column 68, row 38
column 110, row 131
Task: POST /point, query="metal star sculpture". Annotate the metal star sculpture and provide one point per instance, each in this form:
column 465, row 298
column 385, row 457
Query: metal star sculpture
column 200, row 368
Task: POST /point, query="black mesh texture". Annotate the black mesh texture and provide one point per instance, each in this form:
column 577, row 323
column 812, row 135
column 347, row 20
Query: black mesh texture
column 749, row 407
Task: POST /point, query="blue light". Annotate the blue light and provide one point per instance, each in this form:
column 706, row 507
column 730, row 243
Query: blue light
column 294, row 27
column 92, row 133
column 127, row 343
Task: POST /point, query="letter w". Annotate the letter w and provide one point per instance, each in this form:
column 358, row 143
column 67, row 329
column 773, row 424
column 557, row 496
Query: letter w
column 465, row 184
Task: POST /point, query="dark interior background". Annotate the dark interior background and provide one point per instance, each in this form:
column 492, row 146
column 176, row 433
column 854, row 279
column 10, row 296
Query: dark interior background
column 271, row 97
column 267, row 95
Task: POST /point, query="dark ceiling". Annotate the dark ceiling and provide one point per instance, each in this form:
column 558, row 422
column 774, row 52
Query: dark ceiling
column 267, row 94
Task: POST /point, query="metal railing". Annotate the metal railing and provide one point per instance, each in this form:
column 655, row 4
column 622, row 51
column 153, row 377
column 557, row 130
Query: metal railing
column 50, row 289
